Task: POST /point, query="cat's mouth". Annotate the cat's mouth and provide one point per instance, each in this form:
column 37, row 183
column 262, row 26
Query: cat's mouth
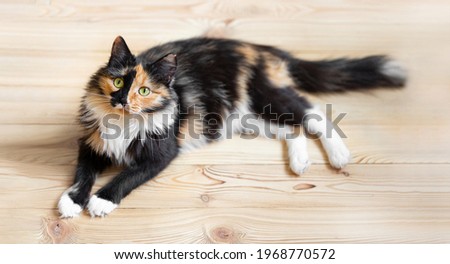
column 127, row 108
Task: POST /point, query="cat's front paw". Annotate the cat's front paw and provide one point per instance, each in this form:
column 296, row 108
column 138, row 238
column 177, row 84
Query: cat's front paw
column 67, row 207
column 100, row 207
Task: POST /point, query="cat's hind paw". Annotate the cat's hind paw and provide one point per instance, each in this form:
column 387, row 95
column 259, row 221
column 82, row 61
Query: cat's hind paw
column 299, row 166
column 339, row 156
column 100, row 207
column 298, row 155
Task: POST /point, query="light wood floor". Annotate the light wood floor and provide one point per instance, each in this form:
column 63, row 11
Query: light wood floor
column 397, row 189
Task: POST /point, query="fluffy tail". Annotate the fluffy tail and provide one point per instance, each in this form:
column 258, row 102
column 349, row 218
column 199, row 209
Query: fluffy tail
column 346, row 74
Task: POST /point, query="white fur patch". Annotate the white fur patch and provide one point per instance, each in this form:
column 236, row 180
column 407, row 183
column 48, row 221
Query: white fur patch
column 67, row 208
column 337, row 152
column 118, row 133
column 298, row 154
column 232, row 124
column 297, row 147
column 100, row 207
column 393, row 69
column 161, row 120
column 115, row 143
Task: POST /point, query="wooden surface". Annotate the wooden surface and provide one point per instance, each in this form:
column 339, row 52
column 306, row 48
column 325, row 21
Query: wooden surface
column 397, row 189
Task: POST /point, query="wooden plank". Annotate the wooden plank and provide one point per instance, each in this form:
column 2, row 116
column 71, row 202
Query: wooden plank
column 93, row 25
column 240, row 191
column 264, row 186
column 232, row 225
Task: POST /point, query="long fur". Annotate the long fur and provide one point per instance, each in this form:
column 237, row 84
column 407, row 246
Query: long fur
column 198, row 84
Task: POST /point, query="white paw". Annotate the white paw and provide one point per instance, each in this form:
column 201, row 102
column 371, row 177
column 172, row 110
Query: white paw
column 299, row 166
column 67, row 207
column 298, row 155
column 339, row 156
column 100, row 207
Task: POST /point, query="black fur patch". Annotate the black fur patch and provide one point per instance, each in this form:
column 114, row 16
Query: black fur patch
column 204, row 73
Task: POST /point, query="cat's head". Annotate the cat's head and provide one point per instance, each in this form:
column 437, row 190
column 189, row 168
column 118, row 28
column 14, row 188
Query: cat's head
column 125, row 86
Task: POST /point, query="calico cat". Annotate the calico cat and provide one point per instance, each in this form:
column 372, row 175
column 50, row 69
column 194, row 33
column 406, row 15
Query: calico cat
column 142, row 111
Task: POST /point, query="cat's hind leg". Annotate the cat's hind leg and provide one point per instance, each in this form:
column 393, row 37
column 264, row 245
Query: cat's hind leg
column 274, row 94
column 284, row 109
column 316, row 123
column 296, row 143
column 295, row 139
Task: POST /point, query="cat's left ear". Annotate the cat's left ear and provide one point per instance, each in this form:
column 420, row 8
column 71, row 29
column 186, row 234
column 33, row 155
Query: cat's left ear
column 164, row 69
column 121, row 56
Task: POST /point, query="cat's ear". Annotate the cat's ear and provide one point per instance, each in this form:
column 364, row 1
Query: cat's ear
column 121, row 55
column 163, row 70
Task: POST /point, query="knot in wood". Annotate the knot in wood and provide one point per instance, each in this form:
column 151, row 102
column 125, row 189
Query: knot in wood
column 304, row 186
column 223, row 235
column 204, row 198
column 57, row 231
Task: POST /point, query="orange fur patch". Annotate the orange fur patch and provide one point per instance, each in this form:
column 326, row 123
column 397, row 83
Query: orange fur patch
column 277, row 71
column 138, row 102
column 106, row 84
column 95, row 141
column 101, row 104
column 249, row 53
column 251, row 56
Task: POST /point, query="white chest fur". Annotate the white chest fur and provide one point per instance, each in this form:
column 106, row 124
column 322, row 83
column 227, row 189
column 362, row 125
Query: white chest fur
column 117, row 135
column 118, row 132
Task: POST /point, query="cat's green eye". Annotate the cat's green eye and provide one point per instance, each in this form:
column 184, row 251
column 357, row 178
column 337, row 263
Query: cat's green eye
column 118, row 82
column 144, row 91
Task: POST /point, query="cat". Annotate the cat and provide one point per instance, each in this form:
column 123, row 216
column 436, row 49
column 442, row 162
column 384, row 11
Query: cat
column 142, row 111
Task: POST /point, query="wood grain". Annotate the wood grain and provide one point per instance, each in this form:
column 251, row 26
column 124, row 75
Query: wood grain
column 233, row 225
column 397, row 189
column 264, row 186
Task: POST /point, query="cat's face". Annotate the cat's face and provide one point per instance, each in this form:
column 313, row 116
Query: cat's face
column 130, row 87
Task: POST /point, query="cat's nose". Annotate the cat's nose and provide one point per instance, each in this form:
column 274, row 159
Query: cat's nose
column 123, row 101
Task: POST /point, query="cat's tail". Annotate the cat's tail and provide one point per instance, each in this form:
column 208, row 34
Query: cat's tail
column 344, row 74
